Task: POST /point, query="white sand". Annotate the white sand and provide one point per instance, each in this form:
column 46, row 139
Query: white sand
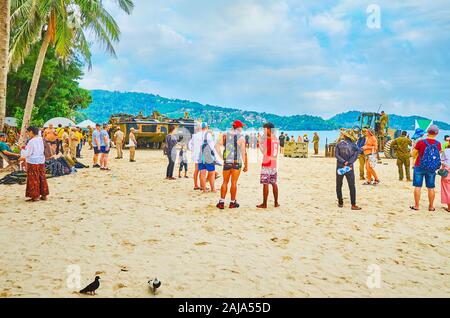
column 130, row 225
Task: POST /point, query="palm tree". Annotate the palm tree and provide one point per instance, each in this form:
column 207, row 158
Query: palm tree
column 4, row 50
column 63, row 24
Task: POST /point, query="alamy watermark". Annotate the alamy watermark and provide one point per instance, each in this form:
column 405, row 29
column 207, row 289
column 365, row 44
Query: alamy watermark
column 73, row 281
column 374, row 19
column 374, row 278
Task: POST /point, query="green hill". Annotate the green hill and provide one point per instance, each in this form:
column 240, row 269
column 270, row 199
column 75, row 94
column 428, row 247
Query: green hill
column 105, row 103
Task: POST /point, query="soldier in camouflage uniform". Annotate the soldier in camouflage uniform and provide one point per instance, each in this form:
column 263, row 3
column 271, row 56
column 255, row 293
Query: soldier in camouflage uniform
column 384, row 120
column 402, row 146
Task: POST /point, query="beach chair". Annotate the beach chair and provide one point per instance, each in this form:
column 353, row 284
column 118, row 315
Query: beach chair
column 11, row 165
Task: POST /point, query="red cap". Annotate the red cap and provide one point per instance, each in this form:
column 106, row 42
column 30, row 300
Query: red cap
column 238, row 124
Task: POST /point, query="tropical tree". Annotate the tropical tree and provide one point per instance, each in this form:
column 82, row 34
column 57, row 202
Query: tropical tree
column 62, row 24
column 59, row 93
column 4, row 53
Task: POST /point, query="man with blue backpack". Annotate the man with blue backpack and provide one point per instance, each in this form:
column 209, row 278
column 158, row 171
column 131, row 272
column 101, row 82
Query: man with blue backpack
column 428, row 153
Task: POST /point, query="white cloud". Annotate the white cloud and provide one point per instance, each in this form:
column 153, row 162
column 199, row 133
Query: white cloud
column 330, row 24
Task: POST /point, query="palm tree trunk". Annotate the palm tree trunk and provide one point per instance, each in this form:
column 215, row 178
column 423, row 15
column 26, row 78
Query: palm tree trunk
column 33, row 87
column 4, row 56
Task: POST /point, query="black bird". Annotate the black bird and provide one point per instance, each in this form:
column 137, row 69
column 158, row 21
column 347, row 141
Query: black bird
column 154, row 285
column 92, row 287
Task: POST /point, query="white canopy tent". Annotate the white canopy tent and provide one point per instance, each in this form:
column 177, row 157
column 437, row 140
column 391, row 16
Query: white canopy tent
column 60, row 121
column 86, row 123
column 11, row 121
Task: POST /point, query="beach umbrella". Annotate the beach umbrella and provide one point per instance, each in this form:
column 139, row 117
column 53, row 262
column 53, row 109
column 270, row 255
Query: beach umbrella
column 11, row 121
column 86, row 123
column 60, row 121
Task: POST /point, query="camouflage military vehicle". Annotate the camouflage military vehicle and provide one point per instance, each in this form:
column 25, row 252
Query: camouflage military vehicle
column 151, row 131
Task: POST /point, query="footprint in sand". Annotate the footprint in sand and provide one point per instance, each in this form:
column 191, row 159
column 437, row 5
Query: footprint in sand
column 202, row 243
column 152, row 241
column 119, row 286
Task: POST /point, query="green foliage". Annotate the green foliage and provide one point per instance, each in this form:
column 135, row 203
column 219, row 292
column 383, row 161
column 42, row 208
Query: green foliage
column 106, row 103
column 58, row 94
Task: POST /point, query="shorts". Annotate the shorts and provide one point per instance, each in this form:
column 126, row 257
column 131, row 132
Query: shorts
column 232, row 166
column 103, row 150
column 183, row 165
column 269, row 176
column 210, row 167
column 96, row 150
column 420, row 174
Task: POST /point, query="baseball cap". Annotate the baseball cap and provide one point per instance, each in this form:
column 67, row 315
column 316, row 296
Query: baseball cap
column 433, row 130
column 238, row 124
column 204, row 125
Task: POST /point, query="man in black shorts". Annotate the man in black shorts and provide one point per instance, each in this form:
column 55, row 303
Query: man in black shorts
column 234, row 156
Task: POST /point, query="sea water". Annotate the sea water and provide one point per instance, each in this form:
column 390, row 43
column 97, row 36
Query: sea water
column 332, row 136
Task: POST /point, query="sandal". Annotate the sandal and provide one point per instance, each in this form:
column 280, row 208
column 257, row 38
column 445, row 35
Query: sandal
column 432, row 209
column 197, row 188
column 414, row 208
column 367, row 183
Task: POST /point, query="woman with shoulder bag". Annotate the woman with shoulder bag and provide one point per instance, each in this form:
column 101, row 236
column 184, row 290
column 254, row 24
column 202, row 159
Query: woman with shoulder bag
column 370, row 151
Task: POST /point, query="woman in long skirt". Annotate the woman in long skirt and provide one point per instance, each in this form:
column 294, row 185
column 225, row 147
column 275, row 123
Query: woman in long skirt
column 37, row 187
column 445, row 181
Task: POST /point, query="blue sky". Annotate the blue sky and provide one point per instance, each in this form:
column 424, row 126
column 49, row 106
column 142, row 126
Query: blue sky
column 285, row 57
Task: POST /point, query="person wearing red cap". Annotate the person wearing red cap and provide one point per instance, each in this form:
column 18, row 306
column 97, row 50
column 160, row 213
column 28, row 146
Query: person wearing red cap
column 234, row 155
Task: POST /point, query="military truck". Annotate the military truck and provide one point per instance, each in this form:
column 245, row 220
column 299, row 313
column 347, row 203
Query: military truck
column 385, row 138
column 372, row 120
column 151, row 131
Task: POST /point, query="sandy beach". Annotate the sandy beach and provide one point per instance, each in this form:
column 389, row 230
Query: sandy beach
column 130, row 225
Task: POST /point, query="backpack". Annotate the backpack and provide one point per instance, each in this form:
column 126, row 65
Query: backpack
column 231, row 150
column 206, row 152
column 431, row 160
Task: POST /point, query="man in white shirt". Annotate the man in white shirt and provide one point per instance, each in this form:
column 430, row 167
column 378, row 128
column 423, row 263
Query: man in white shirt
column 207, row 159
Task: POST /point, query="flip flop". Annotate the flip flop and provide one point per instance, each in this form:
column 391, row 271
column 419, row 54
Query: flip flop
column 413, row 208
column 432, row 210
column 195, row 189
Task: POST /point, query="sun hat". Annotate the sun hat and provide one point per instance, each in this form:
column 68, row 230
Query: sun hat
column 418, row 133
column 349, row 134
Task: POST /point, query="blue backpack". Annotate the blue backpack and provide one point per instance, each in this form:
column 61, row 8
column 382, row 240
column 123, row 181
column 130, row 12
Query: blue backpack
column 431, row 160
